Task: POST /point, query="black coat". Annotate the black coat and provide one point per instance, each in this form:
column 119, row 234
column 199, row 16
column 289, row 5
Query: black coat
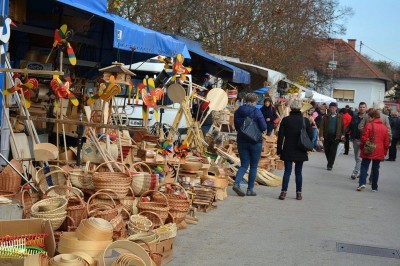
column 240, row 115
column 395, row 126
column 288, row 137
column 269, row 112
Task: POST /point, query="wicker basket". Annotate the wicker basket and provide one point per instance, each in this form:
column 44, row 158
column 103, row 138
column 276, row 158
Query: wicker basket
column 155, row 256
column 161, row 207
column 128, row 202
column 50, row 205
column 82, row 178
column 138, row 223
column 10, row 180
column 7, row 194
column 119, row 182
column 76, row 207
column 179, row 204
column 52, row 178
column 102, row 210
column 142, row 178
column 56, row 219
column 153, row 217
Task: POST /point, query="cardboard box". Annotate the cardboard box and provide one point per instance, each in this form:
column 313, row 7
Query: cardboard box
column 27, row 226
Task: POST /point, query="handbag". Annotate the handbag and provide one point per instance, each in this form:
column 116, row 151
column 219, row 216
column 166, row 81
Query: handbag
column 370, row 145
column 251, row 130
column 304, row 142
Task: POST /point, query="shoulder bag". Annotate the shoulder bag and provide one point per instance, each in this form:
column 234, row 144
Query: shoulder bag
column 251, row 130
column 304, row 142
column 370, row 145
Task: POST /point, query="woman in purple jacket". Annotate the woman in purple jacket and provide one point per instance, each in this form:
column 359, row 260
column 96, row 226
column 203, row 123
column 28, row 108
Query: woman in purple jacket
column 249, row 151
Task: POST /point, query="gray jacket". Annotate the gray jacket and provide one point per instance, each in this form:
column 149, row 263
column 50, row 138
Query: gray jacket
column 384, row 119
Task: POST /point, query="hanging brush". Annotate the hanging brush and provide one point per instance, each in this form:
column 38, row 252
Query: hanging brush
column 13, row 248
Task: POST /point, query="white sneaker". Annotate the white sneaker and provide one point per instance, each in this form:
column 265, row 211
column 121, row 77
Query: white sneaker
column 361, row 188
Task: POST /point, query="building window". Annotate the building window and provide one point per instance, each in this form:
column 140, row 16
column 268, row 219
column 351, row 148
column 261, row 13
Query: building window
column 343, row 95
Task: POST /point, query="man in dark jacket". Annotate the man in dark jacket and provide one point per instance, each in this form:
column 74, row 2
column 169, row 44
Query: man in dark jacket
column 395, row 126
column 331, row 133
column 355, row 135
column 249, row 151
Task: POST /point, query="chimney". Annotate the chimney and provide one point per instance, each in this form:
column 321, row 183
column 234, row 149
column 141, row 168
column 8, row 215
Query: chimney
column 352, row 43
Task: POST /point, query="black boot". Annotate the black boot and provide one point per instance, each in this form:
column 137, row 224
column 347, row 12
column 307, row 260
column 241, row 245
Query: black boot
column 251, row 192
column 238, row 191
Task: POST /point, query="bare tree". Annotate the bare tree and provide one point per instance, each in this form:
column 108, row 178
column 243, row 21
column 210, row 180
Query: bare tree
column 278, row 34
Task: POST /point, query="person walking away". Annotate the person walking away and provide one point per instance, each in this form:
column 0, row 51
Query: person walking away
column 314, row 128
column 395, row 127
column 249, row 151
column 270, row 115
column 331, row 133
column 287, row 148
column 378, row 105
column 346, row 122
column 355, row 135
column 377, row 133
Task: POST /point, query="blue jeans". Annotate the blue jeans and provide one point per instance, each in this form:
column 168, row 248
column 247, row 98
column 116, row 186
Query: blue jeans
column 298, row 168
column 374, row 172
column 315, row 137
column 249, row 156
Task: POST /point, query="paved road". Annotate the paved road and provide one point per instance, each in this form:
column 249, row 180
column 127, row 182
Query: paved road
column 263, row 230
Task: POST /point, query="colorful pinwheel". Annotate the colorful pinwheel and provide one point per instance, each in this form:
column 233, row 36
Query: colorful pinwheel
column 61, row 89
column 179, row 69
column 150, row 95
column 181, row 151
column 25, row 87
column 165, row 148
column 61, row 40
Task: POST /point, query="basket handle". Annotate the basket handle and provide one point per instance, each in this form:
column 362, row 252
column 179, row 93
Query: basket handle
column 94, row 195
column 87, row 167
column 114, row 162
column 39, row 170
column 107, row 191
column 146, row 193
column 139, row 167
column 71, row 219
column 147, row 246
column 153, row 213
column 66, row 188
column 26, row 210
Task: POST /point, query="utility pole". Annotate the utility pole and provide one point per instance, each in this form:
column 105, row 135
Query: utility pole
column 360, row 46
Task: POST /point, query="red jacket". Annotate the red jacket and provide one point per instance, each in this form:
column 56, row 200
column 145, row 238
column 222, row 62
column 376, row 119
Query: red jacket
column 346, row 120
column 381, row 140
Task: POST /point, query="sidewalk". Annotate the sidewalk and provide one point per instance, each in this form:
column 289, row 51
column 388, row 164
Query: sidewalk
column 263, row 230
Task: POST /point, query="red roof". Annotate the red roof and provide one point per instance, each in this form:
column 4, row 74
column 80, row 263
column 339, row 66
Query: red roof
column 350, row 63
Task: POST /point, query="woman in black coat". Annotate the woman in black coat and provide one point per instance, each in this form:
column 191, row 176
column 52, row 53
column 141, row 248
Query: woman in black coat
column 288, row 137
column 269, row 113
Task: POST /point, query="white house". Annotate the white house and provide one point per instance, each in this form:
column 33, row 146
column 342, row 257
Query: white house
column 352, row 77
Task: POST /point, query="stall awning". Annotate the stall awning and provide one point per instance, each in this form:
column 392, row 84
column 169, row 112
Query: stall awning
column 128, row 34
column 215, row 66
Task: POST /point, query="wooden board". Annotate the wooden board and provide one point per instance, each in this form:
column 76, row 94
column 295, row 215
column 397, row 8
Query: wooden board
column 218, row 99
column 176, row 93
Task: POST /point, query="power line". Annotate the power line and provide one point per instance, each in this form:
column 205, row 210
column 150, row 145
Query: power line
column 362, row 44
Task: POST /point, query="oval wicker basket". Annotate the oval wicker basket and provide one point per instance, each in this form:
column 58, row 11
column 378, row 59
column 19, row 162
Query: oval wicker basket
column 179, row 204
column 102, row 210
column 82, row 178
column 119, row 182
column 76, row 207
column 52, row 178
column 160, row 207
column 50, row 205
column 153, row 217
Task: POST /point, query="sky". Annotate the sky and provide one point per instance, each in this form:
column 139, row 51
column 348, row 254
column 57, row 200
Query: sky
column 376, row 23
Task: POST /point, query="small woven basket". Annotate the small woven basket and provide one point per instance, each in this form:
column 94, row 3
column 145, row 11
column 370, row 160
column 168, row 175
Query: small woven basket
column 178, row 201
column 147, row 203
column 76, row 207
column 82, row 178
column 50, row 205
column 10, row 180
column 119, row 182
column 153, row 217
column 102, row 210
column 51, row 178
column 141, row 178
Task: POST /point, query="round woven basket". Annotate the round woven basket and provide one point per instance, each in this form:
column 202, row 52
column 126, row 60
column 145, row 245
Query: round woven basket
column 119, row 182
column 82, row 178
column 138, row 223
column 141, row 178
column 76, row 207
column 178, row 200
column 10, row 180
column 56, row 219
column 153, row 217
column 52, row 178
column 147, row 203
column 102, row 210
column 50, row 205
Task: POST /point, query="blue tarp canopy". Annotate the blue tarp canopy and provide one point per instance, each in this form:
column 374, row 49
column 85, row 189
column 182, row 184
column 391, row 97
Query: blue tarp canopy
column 128, row 34
column 213, row 65
column 262, row 90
